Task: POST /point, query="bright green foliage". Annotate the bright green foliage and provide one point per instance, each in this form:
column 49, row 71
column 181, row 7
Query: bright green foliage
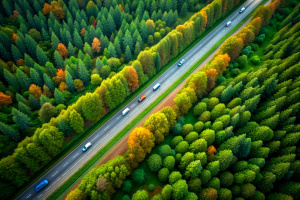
column 224, row 157
column 216, row 92
column 191, row 137
column 205, row 116
column 252, row 103
column 279, row 169
column 260, row 162
column 163, row 174
column 208, row 135
column 182, row 147
column 290, row 139
column 158, row 124
column 174, row 177
column 205, row 176
column 187, row 128
column 270, row 122
column 59, row 98
column 225, row 119
column 213, row 101
column 193, row 169
column 214, row 183
column 140, row 195
column 199, row 145
column 199, row 109
column 92, row 107
column 169, row 162
column 213, row 167
column 167, row 192
column 155, row 162
column 180, row 189
column 75, row 121
column 217, row 111
column 176, row 140
column 244, row 117
column 139, row 176
column 186, row 159
column 198, row 126
column 217, row 126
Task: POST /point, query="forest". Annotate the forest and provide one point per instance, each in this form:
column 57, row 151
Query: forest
column 234, row 125
column 64, row 65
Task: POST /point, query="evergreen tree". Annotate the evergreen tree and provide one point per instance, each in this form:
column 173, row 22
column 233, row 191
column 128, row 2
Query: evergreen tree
column 55, row 41
column 157, row 62
column 21, row 119
column 184, row 9
column 11, row 79
column 70, row 82
column 20, row 98
column 24, row 108
column 84, row 74
column 41, row 56
column 58, row 60
column 35, row 77
column 77, row 40
column 59, row 98
column 12, row 133
column 16, row 53
column 29, row 62
column 71, row 49
column 112, row 50
column 45, row 35
column 98, row 64
column 43, row 100
column 50, row 69
column 128, row 55
column 117, row 46
column 23, row 79
column 48, row 82
column 30, row 45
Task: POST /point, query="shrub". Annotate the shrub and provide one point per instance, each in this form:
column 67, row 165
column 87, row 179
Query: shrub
column 199, row 145
column 213, row 102
column 198, row 126
column 255, row 60
column 182, row 147
column 199, row 109
column 204, row 117
column 169, row 162
column 191, row 137
column 176, row 140
column 127, row 186
column 209, row 136
column 154, row 162
column 187, row 128
column 139, row 176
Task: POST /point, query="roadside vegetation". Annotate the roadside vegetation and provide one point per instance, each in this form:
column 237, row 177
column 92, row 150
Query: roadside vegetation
column 235, row 125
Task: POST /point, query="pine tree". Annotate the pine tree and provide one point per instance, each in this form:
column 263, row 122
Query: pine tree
column 128, row 55
column 71, row 49
column 83, row 73
column 55, row 41
column 117, row 46
column 21, row 119
column 48, row 82
column 184, row 9
column 30, row 45
column 23, row 79
column 137, row 49
column 12, row 133
column 11, row 79
column 98, row 64
column 16, row 53
column 50, row 69
column 20, row 98
column 58, row 60
column 44, row 99
column 70, row 82
column 77, row 40
column 41, row 56
column 45, row 35
column 59, row 98
column 35, row 77
column 29, row 62
column 7, row 8
column 24, row 108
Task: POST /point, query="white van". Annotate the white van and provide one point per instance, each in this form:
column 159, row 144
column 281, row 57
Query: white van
column 124, row 112
column 156, row 86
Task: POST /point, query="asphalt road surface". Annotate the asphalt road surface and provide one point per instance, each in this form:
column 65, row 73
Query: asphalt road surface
column 76, row 159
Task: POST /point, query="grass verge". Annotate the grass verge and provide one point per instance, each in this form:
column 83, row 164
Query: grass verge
column 59, row 192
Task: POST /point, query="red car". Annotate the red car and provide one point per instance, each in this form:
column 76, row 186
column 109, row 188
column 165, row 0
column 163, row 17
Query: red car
column 142, row 98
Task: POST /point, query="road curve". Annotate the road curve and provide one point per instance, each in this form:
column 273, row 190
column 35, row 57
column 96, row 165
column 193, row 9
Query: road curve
column 76, row 159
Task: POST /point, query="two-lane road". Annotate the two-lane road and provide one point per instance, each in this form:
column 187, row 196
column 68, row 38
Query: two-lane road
column 76, row 159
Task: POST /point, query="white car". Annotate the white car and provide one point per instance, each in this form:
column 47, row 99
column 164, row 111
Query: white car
column 228, row 23
column 180, row 62
column 242, row 10
column 87, row 146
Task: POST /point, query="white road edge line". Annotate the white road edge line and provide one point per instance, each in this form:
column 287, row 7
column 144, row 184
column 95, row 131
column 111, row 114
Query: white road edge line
column 65, row 164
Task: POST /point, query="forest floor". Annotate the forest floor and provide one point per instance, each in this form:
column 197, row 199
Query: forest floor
column 121, row 146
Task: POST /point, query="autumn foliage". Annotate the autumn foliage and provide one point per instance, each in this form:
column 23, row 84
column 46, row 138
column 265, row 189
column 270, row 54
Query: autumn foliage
column 56, row 8
column 131, row 77
column 211, row 75
column 211, row 151
column 5, row 100
column 96, row 45
column 35, row 90
column 63, row 86
column 62, row 50
column 140, row 142
column 61, row 75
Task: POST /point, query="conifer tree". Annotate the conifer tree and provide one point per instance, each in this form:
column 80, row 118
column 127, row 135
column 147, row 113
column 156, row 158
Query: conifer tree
column 24, row 108
column 98, row 64
column 23, row 79
column 35, row 77
column 11, row 79
column 71, row 49
column 34, row 102
column 112, row 50
column 21, row 119
column 29, row 62
column 16, row 53
column 59, row 98
column 30, row 45
column 84, row 74
column 48, row 82
column 77, row 40
column 11, row 132
column 128, row 55
column 70, row 82
column 157, row 62
column 44, row 99
column 50, row 69
column 41, row 56
column 117, row 46
column 55, row 41
column 20, row 98
column 58, row 60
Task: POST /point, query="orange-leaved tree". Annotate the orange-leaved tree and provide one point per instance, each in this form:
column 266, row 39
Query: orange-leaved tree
column 140, row 142
column 63, row 86
column 211, row 75
column 131, row 77
column 96, row 45
column 5, row 100
column 232, row 46
column 61, row 75
column 62, row 50
column 211, row 151
column 35, row 90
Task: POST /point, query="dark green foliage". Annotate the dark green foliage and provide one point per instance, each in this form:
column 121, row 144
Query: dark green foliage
column 213, row 167
column 187, row 128
column 127, row 186
column 139, row 176
column 169, row 162
column 165, row 150
column 226, row 179
column 224, row 194
column 198, row 126
column 247, row 190
column 176, row 140
column 9, row 131
column 21, row 119
column 154, row 162
column 225, row 158
column 163, row 174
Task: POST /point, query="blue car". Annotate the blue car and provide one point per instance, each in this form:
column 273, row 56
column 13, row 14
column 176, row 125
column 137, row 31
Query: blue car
column 41, row 185
column 87, row 146
column 180, row 62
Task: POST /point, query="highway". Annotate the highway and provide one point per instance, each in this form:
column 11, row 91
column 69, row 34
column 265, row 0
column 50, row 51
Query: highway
column 76, row 159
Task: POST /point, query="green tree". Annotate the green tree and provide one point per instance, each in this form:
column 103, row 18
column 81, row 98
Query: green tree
column 184, row 9
column 41, row 56
column 35, row 77
column 140, row 195
column 208, row 135
column 180, row 189
column 127, row 186
column 158, row 125
column 199, row 145
column 23, row 79
column 59, row 98
column 155, row 162
column 83, row 73
column 11, row 79
column 9, row 131
column 46, row 112
column 174, row 177
column 92, row 107
column 21, row 119
column 139, row 176
column 193, row 169
column 213, row 167
column 75, row 121
column 163, row 174
column 169, row 162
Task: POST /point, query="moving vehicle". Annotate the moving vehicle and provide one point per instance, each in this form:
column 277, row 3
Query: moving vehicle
column 242, row 10
column 124, row 112
column 87, row 146
column 180, row 62
column 228, row 23
column 41, row 185
column 142, row 98
column 156, row 86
